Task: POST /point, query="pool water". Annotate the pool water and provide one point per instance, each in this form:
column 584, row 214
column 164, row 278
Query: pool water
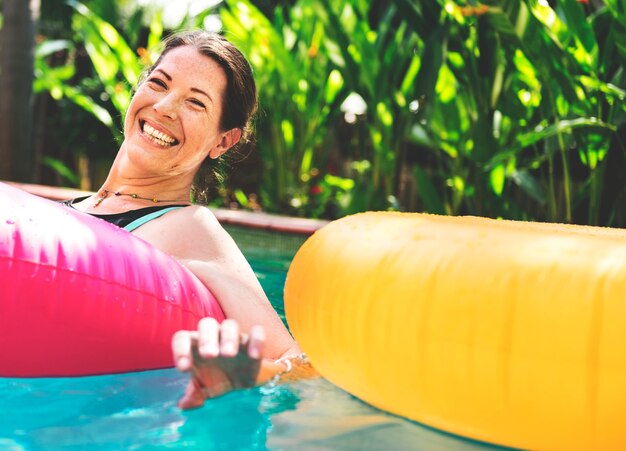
column 137, row 411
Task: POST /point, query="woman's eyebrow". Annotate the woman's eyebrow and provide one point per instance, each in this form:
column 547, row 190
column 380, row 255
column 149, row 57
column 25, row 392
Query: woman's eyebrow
column 199, row 91
column 165, row 74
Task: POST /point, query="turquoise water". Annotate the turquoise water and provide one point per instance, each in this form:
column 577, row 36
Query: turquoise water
column 138, row 411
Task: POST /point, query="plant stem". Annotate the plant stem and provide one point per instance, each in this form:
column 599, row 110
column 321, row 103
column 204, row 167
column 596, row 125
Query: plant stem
column 566, row 176
column 552, row 198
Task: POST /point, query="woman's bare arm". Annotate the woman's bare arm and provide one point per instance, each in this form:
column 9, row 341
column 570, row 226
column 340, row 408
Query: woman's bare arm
column 196, row 239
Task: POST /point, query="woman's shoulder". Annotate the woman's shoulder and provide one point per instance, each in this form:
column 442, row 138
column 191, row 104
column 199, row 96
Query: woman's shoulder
column 195, row 216
column 186, row 231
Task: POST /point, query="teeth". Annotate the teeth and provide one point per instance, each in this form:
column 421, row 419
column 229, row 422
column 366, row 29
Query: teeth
column 157, row 136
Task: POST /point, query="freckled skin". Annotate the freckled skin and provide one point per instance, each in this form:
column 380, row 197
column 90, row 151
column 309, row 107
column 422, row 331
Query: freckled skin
column 175, row 107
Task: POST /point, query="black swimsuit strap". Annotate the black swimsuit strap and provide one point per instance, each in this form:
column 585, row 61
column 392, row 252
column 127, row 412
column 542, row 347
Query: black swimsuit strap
column 121, row 219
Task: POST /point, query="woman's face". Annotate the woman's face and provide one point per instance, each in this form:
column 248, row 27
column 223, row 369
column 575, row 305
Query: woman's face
column 172, row 123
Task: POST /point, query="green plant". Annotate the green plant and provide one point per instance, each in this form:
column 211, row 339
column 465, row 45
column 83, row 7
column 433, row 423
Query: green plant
column 381, row 59
column 55, row 80
column 116, row 64
column 299, row 94
column 505, row 109
column 525, row 94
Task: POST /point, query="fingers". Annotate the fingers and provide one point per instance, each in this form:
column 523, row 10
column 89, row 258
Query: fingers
column 208, row 338
column 181, row 349
column 256, row 342
column 229, row 338
column 219, row 357
column 215, row 339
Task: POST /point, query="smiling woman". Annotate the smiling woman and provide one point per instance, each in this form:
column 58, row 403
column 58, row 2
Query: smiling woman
column 174, row 120
column 192, row 106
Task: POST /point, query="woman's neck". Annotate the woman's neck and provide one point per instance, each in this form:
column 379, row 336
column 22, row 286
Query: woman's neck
column 125, row 180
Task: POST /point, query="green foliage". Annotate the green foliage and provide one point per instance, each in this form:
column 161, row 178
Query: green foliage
column 299, row 93
column 55, row 80
column 524, row 94
column 116, row 65
column 62, row 169
column 381, row 63
column 504, row 109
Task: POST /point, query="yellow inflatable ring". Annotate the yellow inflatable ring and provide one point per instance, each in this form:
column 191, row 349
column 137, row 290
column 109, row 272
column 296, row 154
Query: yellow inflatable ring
column 505, row 332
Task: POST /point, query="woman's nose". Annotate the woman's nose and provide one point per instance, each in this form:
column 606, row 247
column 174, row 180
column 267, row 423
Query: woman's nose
column 166, row 106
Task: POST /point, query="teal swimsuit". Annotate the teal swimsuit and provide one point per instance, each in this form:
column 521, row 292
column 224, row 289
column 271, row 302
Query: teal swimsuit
column 131, row 219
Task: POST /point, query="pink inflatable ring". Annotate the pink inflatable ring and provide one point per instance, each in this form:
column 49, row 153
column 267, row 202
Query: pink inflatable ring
column 79, row 296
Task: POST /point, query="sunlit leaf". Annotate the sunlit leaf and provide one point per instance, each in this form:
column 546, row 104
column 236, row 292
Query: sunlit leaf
column 101, row 56
column 60, row 168
column 593, row 148
column 88, row 104
column 48, row 47
column 287, row 128
column 496, row 179
column 580, row 29
column 333, row 85
column 156, row 30
column 606, row 88
column 529, row 185
column 343, row 183
column 384, row 114
column 434, row 50
column 446, row 85
column 542, row 133
column 241, row 198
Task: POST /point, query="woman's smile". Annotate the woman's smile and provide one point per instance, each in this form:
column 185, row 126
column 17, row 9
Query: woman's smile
column 158, row 137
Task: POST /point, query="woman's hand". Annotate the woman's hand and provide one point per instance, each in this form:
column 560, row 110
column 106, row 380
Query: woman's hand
column 219, row 357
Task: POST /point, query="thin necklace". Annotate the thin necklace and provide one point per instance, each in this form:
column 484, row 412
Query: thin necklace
column 106, row 193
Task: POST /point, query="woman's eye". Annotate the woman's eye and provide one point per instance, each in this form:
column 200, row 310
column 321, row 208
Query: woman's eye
column 197, row 103
column 158, row 82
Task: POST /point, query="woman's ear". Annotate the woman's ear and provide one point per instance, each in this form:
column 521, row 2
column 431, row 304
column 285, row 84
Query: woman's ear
column 229, row 139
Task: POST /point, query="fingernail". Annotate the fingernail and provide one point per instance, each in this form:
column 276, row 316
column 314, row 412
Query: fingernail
column 209, row 350
column 183, row 363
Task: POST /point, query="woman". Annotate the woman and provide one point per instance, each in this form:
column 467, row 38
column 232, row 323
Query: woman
column 194, row 104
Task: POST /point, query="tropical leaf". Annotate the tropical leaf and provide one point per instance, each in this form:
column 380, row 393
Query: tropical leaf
column 428, row 193
column 532, row 138
column 60, row 168
column 530, row 185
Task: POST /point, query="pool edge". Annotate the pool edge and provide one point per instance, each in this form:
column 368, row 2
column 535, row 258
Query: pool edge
column 253, row 220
